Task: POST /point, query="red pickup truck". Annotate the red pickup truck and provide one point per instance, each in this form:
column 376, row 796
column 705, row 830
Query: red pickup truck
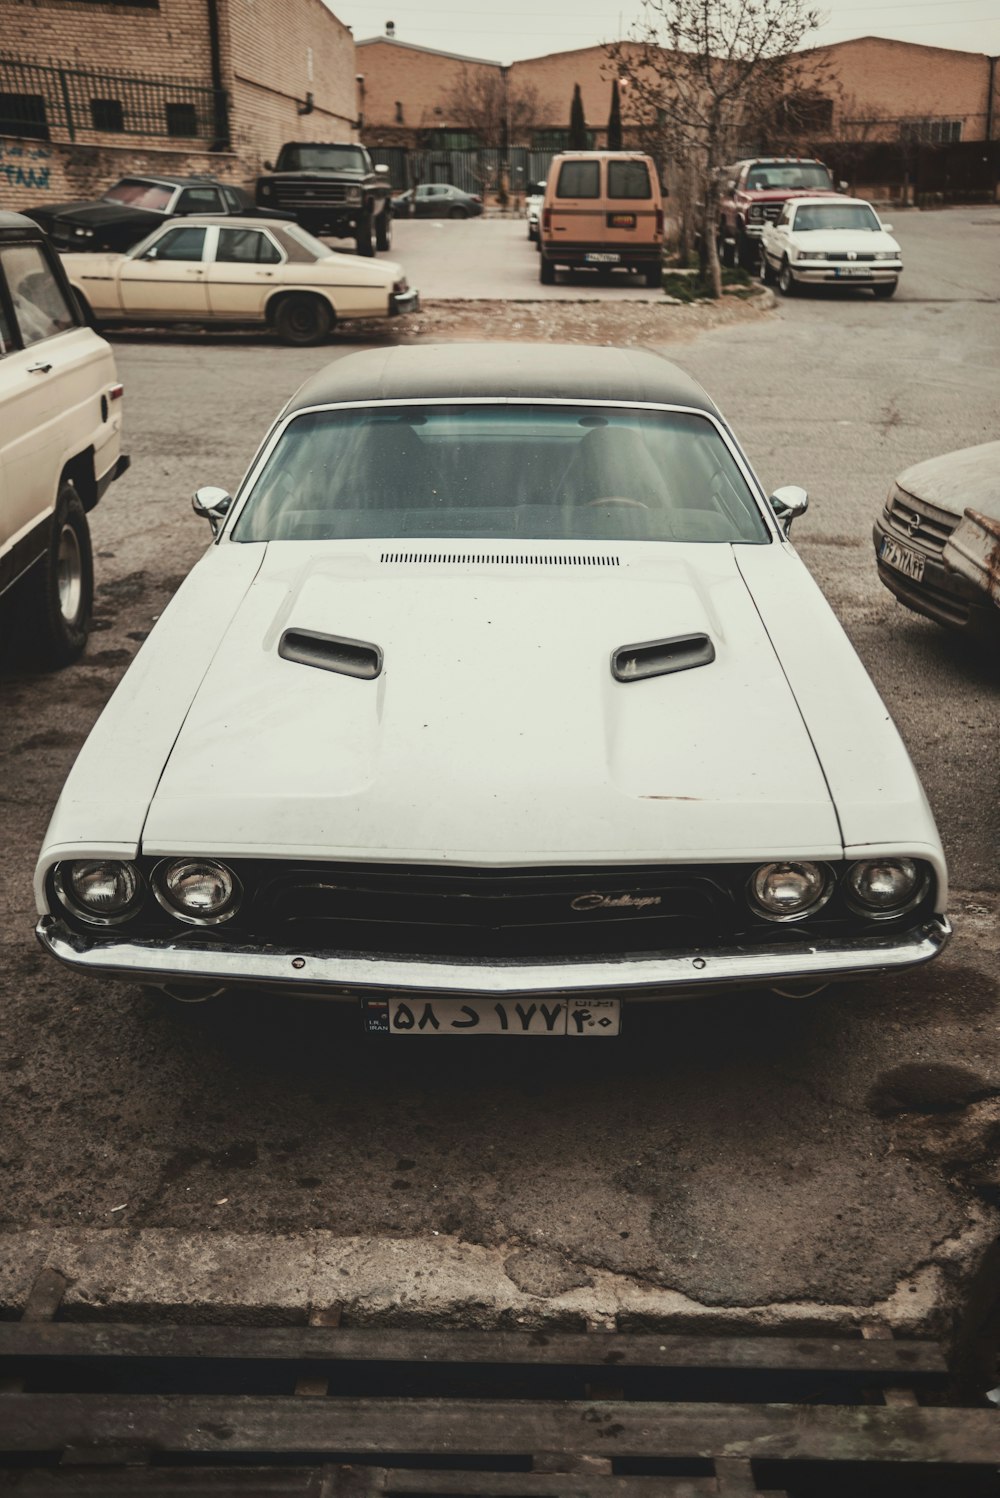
column 753, row 192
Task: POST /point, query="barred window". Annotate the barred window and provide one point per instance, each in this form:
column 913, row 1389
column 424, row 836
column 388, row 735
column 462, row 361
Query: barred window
column 107, row 114
column 933, row 131
column 23, row 114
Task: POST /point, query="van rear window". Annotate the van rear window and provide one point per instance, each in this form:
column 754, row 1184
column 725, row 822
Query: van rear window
column 579, row 179
column 628, row 179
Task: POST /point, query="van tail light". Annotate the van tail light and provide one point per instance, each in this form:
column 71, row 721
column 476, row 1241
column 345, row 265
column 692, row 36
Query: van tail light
column 546, row 219
column 659, row 220
column 116, row 392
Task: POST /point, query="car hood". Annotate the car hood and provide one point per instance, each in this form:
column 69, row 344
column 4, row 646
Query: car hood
column 967, row 479
column 96, row 214
column 495, row 731
column 844, row 241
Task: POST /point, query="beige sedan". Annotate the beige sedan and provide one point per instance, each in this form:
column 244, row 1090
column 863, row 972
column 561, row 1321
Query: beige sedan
column 238, row 271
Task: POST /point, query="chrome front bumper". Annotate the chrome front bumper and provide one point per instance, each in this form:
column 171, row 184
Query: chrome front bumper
column 345, row 975
column 404, row 301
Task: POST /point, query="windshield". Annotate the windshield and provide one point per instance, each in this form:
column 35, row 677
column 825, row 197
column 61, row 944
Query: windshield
column 837, row 216
column 306, row 158
column 135, row 194
column 796, row 175
column 295, row 239
column 503, row 471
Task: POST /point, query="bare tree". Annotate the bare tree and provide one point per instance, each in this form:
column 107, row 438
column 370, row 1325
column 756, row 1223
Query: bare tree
column 486, row 103
column 704, row 76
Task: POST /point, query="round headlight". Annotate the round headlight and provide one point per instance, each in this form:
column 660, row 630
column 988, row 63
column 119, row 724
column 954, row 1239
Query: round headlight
column 883, row 887
column 789, row 891
column 102, row 890
column 198, row 890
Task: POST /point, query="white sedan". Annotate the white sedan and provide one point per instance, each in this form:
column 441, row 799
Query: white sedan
column 500, row 701
column 231, row 271
column 830, row 242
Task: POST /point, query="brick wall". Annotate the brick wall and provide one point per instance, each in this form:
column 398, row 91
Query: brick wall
column 277, row 53
column 169, row 38
column 274, row 55
column 416, row 80
column 33, row 172
column 880, row 81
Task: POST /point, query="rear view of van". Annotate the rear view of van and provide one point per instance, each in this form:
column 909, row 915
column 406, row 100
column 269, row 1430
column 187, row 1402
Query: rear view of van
column 602, row 209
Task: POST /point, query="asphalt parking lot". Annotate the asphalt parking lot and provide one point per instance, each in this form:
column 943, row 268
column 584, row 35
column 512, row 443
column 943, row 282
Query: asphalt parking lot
column 748, row 1161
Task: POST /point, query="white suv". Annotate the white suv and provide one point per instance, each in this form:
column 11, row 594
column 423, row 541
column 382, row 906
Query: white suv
column 60, row 444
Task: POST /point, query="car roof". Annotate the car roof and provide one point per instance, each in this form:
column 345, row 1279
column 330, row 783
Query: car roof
column 11, row 220
column 192, row 180
column 226, row 221
column 825, row 201
column 464, row 371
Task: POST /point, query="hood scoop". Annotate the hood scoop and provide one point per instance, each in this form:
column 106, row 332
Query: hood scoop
column 661, row 657
column 331, row 653
column 498, row 559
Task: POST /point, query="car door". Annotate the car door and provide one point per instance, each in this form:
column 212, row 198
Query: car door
column 423, row 200
column 46, row 377
column 243, row 272
column 167, row 278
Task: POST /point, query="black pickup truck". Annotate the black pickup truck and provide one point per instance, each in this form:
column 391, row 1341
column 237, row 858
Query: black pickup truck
column 331, row 189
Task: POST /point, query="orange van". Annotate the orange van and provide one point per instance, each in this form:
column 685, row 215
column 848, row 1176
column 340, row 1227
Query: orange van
column 602, row 209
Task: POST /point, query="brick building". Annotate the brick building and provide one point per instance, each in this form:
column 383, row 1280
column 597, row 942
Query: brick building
column 887, row 90
column 405, row 92
column 90, row 89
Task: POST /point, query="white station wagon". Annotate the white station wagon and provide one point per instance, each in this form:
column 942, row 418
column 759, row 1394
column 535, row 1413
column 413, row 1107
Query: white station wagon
column 830, row 241
column 500, row 700
column 231, row 271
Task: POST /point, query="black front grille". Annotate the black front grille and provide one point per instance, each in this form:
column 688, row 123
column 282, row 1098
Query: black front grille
column 916, row 523
column 315, row 194
column 477, row 913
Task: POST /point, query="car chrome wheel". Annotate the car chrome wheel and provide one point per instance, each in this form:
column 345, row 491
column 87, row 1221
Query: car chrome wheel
column 786, row 281
column 69, row 574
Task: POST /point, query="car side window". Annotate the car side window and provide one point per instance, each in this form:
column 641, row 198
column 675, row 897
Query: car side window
column 232, row 200
column 246, row 246
column 200, row 200
column 40, row 307
column 178, row 244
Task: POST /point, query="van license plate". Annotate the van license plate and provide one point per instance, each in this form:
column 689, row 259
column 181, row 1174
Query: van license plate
column 602, row 257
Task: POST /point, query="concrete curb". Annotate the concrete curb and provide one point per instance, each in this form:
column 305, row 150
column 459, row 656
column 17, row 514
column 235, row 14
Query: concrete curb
column 165, row 1274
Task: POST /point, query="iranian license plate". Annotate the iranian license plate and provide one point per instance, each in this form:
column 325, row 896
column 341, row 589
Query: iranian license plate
column 406, row 1015
column 909, row 563
column 853, row 270
column 602, row 257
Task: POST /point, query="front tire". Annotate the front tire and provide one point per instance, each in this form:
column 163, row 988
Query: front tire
column 58, row 607
column 787, row 284
column 364, row 242
column 764, row 270
column 383, row 230
column 748, row 252
column 302, row 320
column 884, row 289
column 546, row 271
column 727, row 252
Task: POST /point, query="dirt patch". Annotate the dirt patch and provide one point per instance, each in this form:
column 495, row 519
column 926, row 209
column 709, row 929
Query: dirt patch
column 579, row 322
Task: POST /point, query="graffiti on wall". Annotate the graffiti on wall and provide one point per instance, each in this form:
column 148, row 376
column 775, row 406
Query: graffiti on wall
column 19, row 166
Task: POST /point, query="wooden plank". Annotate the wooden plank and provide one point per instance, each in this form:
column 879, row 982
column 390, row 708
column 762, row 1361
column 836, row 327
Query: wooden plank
column 210, row 1425
column 845, row 1356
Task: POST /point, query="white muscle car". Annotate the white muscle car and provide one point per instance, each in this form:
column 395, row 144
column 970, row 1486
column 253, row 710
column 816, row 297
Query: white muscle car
column 501, row 697
column 267, row 272
column 830, row 241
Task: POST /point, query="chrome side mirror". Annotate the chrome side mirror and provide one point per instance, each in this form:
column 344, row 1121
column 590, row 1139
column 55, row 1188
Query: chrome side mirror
column 381, row 169
column 212, row 504
column 788, row 503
